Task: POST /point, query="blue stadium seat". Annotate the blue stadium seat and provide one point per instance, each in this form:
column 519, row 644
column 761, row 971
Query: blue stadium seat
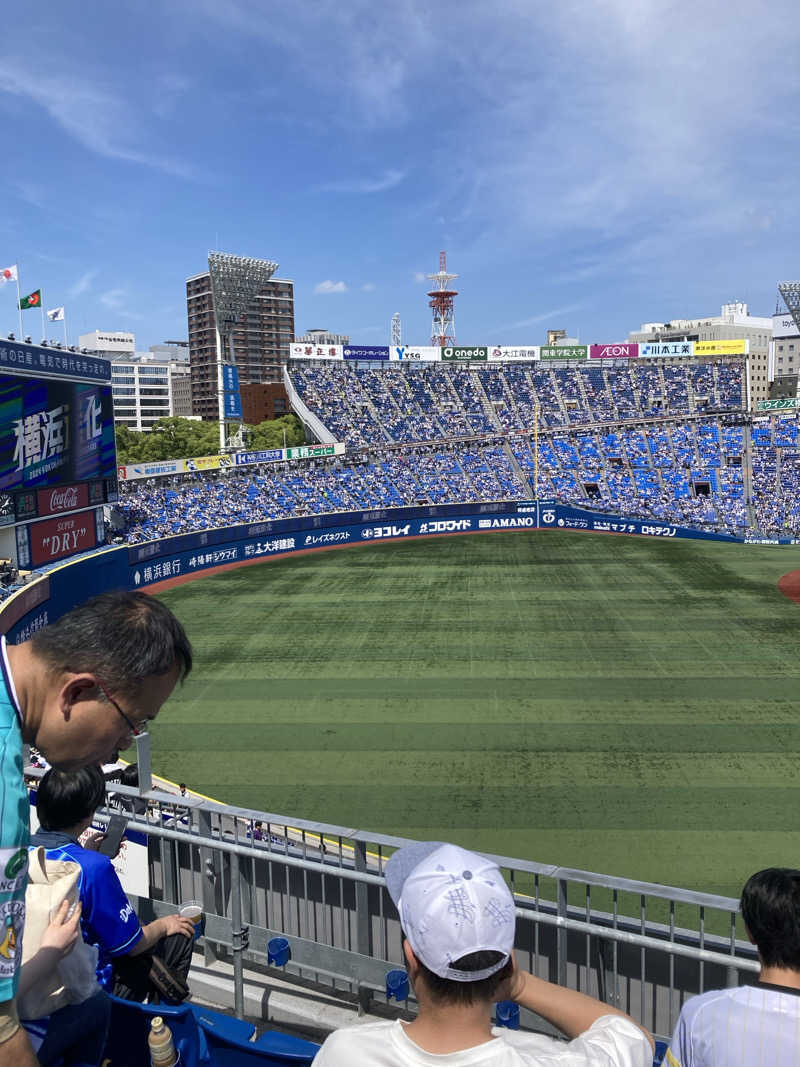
column 271, row 1050
column 126, row 1045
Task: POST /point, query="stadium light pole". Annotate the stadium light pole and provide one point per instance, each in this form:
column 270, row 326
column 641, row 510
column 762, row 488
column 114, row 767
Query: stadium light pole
column 236, row 281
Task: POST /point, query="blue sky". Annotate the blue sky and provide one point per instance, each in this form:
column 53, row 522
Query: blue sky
column 586, row 165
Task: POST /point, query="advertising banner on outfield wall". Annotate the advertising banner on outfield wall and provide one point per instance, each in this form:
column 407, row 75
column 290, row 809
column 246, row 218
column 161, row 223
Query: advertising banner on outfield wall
column 63, row 536
column 208, row 463
column 784, row 326
column 623, row 350
column 722, row 348
column 366, row 351
column 415, row 354
column 305, row 351
column 470, row 354
column 564, row 351
column 653, row 349
column 786, row 404
column 506, row 354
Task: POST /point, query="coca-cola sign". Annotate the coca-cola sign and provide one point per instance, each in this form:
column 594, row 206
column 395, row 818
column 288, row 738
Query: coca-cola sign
column 62, row 498
column 64, row 536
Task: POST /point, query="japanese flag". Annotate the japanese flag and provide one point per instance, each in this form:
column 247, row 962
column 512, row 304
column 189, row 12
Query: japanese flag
column 8, row 274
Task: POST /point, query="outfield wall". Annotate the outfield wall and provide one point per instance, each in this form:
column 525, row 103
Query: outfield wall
column 186, row 555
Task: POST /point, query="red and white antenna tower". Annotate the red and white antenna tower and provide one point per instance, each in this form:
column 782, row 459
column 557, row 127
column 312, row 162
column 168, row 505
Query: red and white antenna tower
column 443, row 329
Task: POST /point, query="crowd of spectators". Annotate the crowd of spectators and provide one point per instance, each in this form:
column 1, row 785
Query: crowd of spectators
column 422, row 402
column 608, row 439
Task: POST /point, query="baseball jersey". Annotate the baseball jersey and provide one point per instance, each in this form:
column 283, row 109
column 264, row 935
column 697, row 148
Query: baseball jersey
column 609, row 1040
column 14, row 832
column 738, row 1027
column 107, row 916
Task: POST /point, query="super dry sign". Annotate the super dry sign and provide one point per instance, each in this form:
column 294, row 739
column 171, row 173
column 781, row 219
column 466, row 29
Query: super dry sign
column 64, row 536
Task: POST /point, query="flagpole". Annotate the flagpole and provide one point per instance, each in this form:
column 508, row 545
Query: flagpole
column 41, row 308
column 19, row 301
column 66, row 342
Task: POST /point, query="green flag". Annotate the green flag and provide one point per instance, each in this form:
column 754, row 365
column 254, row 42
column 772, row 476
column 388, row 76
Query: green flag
column 32, row 300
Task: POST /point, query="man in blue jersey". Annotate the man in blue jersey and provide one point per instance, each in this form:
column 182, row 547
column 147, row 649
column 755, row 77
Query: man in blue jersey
column 65, row 804
column 79, row 691
column 757, row 1023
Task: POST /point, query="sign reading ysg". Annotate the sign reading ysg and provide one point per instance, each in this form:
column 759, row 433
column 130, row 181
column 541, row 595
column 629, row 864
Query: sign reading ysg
column 471, row 354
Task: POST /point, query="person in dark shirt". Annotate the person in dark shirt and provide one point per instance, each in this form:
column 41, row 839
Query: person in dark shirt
column 65, row 804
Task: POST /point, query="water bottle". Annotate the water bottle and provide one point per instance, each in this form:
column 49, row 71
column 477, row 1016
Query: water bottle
column 162, row 1047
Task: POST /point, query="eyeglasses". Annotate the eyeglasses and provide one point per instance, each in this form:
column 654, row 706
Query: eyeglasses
column 134, row 729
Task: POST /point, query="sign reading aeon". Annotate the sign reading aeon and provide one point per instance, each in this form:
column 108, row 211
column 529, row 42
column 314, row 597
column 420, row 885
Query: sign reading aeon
column 622, row 350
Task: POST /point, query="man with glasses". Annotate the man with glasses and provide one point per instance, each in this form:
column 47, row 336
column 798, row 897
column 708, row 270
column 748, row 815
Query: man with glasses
column 79, row 690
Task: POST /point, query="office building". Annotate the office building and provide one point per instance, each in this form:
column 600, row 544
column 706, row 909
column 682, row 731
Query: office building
column 733, row 322
column 784, row 358
column 322, row 337
column 260, row 342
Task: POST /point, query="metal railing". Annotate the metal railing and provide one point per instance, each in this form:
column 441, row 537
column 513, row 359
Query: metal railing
column 639, row 946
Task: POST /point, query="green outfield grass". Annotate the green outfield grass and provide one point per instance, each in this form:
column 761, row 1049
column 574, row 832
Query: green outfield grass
column 624, row 705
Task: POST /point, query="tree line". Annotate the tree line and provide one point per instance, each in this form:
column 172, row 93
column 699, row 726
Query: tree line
column 177, row 438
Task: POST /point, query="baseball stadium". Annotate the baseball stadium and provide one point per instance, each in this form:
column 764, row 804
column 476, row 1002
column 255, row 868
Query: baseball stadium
column 538, row 602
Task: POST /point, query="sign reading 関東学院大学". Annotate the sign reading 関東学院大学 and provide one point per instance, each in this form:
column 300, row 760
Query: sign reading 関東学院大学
column 564, row 351
column 786, row 403
column 470, row 354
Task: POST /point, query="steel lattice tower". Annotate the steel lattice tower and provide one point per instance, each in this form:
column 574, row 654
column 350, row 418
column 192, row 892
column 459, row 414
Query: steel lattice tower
column 397, row 330
column 443, row 328
column 790, row 291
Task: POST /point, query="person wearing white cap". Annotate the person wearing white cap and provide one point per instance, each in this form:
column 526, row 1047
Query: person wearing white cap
column 458, row 920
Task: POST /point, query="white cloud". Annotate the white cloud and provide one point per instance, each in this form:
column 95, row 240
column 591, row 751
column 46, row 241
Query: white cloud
column 368, row 287
column 544, row 316
column 330, row 287
column 115, row 299
column 96, row 118
column 419, row 277
column 83, row 284
column 389, row 180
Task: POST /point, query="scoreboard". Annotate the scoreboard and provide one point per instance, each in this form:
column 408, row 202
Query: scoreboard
column 57, row 452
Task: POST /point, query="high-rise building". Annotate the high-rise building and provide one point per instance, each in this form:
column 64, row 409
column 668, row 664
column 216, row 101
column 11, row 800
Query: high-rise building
column 260, row 342
column 733, row 323
column 323, row 337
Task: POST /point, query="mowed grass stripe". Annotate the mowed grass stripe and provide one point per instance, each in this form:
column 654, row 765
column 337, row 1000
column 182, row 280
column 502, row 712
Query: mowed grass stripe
column 487, row 769
column 552, row 807
column 458, row 688
column 523, row 739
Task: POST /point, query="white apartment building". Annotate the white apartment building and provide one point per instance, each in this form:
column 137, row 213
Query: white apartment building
column 733, row 322
column 145, row 386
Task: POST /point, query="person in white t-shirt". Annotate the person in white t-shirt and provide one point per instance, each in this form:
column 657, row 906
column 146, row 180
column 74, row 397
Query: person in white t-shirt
column 458, row 921
column 753, row 1023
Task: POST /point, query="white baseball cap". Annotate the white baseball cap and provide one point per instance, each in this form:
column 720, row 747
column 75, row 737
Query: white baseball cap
column 451, row 903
